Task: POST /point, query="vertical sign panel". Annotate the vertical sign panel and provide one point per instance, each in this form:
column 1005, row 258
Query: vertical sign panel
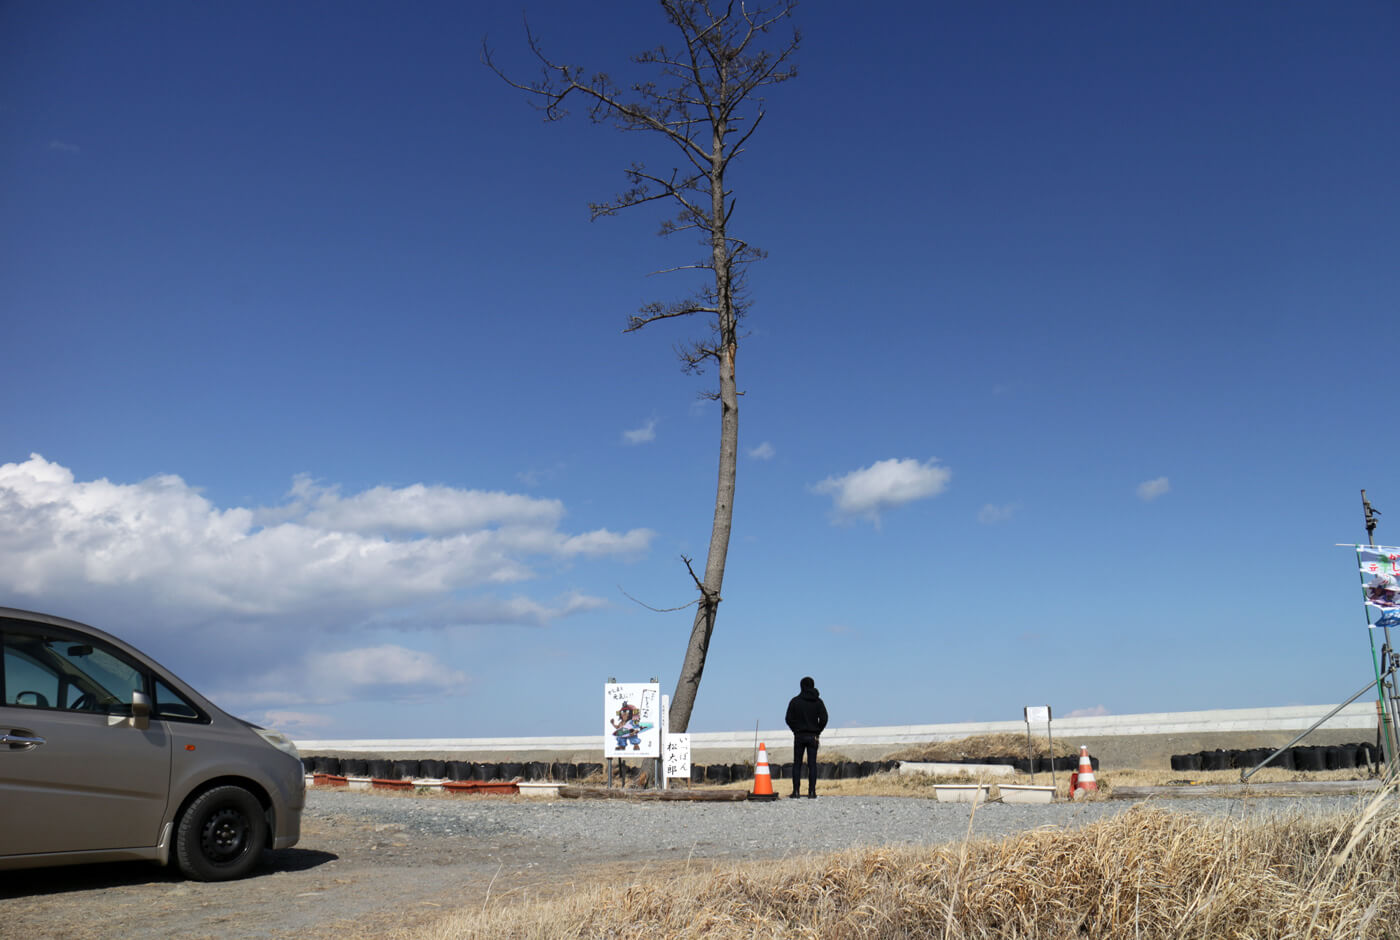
column 631, row 719
column 678, row 755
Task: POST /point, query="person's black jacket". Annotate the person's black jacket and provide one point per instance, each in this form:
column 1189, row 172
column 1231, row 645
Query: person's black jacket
column 805, row 713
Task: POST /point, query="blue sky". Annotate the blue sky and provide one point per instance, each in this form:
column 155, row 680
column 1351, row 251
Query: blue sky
column 1063, row 376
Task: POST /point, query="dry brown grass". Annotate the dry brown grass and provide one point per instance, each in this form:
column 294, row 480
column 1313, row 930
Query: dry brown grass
column 982, row 745
column 1148, row 873
column 1157, row 778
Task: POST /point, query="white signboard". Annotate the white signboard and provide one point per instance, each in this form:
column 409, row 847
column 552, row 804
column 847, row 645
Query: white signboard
column 678, row 755
column 631, row 719
column 1038, row 714
column 665, row 733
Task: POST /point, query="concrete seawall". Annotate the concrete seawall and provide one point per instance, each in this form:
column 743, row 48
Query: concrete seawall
column 1145, row 741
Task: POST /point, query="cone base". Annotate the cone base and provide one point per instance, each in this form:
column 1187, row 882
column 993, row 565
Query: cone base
column 763, row 797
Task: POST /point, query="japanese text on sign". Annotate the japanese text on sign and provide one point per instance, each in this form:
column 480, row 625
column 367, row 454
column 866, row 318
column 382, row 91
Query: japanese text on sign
column 677, row 755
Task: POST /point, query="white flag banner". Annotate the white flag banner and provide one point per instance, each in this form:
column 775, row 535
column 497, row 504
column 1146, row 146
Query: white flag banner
column 1380, row 575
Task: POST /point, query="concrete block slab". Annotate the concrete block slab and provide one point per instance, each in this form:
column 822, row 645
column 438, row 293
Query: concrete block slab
column 961, row 792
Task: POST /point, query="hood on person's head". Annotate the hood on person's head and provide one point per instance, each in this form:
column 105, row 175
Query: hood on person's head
column 808, row 684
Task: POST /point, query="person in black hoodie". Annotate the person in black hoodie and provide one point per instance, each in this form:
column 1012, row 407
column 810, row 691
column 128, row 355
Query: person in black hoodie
column 806, row 716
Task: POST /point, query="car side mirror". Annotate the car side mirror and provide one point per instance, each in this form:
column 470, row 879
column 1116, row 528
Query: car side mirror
column 140, row 711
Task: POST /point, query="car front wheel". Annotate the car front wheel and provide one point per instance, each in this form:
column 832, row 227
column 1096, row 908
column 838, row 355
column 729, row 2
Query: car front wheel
column 221, row 836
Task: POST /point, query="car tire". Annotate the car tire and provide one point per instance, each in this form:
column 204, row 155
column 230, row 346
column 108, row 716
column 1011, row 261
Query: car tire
column 221, row 835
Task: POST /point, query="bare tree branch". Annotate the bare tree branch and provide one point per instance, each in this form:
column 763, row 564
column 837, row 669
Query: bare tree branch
column 657, row 610
column 705, row 595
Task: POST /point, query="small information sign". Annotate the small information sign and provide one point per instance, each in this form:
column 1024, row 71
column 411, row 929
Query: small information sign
column 1038, row 715
column 678, row 755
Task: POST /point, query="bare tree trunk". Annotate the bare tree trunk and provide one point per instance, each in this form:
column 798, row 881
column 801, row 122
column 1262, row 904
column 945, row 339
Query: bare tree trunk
column 694, row 665
column 688, row 682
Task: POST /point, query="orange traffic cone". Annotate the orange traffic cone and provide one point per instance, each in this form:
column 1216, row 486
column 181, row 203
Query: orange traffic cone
column 1084, row 781
column 762, row 777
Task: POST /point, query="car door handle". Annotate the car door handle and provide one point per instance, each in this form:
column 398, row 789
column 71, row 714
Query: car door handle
column 20, row 740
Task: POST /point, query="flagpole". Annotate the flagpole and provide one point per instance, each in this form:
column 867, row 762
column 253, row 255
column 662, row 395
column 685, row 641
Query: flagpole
column 1387, row 732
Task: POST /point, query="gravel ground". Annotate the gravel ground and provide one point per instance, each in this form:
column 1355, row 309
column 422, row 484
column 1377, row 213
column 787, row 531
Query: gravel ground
column 368, row 862
column 615, row 828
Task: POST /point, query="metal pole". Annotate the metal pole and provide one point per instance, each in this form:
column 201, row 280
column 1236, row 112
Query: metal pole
column 607, row 759
column 1050, row 720
column 1388, row 680
column 1030, row 751
column 658, row 781
column 1246, row 774
column 1383, row 729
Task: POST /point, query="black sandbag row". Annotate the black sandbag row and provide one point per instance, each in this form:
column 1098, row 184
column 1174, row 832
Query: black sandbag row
column 453, row 770
column 832, row 770
column 1307, row 758
column 382, row 769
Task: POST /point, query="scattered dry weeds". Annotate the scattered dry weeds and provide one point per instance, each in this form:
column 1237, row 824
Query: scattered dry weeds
column 1146, row 873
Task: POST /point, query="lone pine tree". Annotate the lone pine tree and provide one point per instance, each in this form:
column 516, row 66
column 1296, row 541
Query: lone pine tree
column 704, row 103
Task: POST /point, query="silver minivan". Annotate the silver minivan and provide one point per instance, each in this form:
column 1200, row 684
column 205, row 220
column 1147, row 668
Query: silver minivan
column 105, row 756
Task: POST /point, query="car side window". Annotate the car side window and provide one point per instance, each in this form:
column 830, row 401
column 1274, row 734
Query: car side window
column 28, row 680
column 171, row 705
column 58, row 671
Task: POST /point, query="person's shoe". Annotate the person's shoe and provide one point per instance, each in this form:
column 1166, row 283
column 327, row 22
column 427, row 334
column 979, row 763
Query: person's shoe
column 796, row 795
column 811, row 796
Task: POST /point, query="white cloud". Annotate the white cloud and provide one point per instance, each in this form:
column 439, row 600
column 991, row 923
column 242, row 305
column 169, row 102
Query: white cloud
column 525, row 610
column 320, row 557
column 291, row 607
column 1096, row 712
column 764, row 451
column 386, row 672
column 602, row 542
column 416, row 509
column 1151, row 489
column 344, row 675
column 284, row 720
column 64, row 146
column 991, row 514
column 641, row 435
column 535, row 477
column 885, row 484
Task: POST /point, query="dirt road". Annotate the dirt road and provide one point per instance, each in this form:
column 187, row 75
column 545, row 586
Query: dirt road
column 348, row 877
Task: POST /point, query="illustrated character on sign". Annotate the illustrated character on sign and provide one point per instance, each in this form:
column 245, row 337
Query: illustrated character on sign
column 628, row 727
column 1383, row 592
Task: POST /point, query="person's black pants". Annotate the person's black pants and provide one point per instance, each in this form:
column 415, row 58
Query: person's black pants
column 804, row 744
